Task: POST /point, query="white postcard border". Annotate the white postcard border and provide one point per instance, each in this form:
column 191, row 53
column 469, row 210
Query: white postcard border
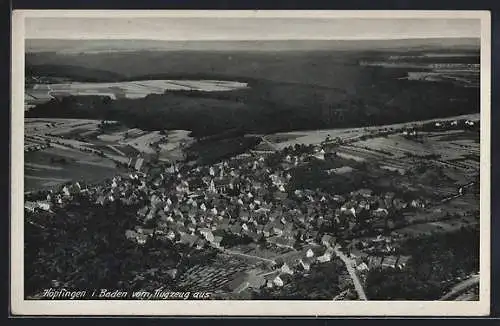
column 19, row 306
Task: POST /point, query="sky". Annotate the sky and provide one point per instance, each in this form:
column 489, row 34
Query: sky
column 249, row 28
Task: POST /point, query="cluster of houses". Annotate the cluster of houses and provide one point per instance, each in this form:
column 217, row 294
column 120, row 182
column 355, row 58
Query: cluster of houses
column 34, row 147
column 365, row 261
column 244, row 198
column 32, row 206
column 301, row 262
column 248, row 199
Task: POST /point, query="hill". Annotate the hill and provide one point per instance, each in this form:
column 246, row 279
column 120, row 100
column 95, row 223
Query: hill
column 69, row 46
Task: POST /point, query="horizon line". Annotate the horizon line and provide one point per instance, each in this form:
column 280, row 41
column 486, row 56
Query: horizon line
column 260, row 39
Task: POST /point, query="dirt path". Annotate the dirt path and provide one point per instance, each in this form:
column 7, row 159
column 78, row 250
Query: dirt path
column 460, row 288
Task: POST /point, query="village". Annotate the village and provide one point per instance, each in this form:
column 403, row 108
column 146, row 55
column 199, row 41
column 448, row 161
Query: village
column 266, row 227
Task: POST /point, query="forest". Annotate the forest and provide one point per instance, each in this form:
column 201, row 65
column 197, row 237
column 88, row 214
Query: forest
column 287, row 91
column 86, row 248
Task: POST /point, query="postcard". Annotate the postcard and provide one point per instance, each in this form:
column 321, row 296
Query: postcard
column 250, row 163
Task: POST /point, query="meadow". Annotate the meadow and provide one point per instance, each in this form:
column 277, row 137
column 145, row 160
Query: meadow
column 53, row 166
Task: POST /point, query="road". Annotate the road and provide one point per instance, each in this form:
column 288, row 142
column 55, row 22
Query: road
column 349, row 265
column 460, row 288
column 318, row 135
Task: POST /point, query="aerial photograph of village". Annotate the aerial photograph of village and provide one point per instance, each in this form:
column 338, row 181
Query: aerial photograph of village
column 341, row 164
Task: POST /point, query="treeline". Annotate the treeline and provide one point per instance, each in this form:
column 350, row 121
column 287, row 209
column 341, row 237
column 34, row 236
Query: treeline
column 76, row 73
column 272, row 107
column 212, row 151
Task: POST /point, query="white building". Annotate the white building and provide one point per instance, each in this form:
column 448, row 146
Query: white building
column 278, row 281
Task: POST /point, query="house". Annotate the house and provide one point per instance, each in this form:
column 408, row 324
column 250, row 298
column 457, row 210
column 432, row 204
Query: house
column 309, row 253
column 268, row 279
column 339, row 198
column 207, row 234
column 212, row 188
column 217, row 241
column 30, row 206
column 244, row 215
column 171, row 235
column 417, row 203
column 45, row 205
column 277, row 227
column 320, row 155
column 380, row 212
column 327, row 256
column 100, row 200
column 138, row 163
column 278, row 281
column 65, row 191
column 363, row 267
column 285, row 269
column 389, row 262
column 367, row 193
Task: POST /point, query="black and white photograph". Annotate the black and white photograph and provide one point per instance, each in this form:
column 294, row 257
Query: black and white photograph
column 250, row 162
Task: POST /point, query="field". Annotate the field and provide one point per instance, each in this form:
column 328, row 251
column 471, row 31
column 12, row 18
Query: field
column 311, row 137
column 39, row 93
column 173, row 148
column 53, row 166
column 62, row 150
column 447, row 217
column 214, row 276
